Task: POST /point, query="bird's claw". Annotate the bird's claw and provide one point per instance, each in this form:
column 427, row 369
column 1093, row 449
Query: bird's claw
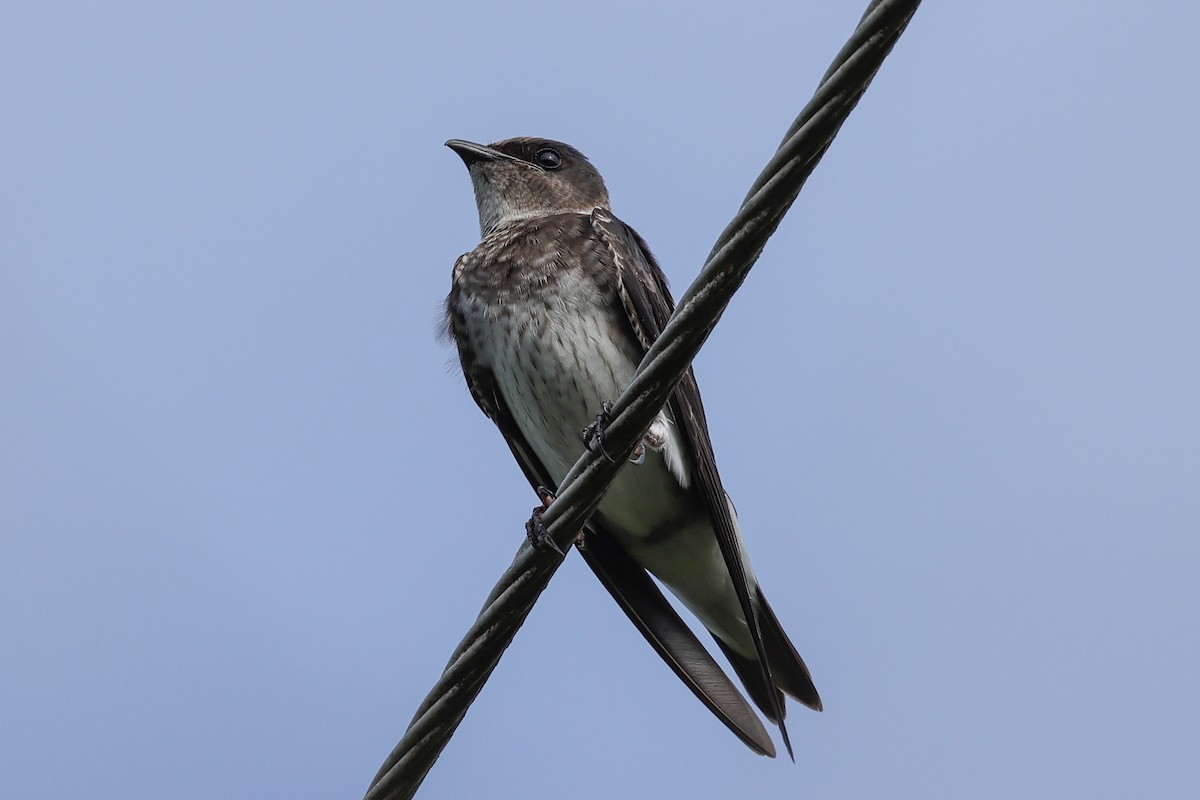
column 535, row 529
column 537, row 533
column 593, row 435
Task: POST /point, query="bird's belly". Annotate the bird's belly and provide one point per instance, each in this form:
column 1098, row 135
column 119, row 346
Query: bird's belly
column 555, row 373
column 555, row 376
column 555, row 370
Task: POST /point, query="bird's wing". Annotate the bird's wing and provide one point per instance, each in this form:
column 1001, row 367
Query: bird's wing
column 644, row 604
column 648, row 305
column 639, row 597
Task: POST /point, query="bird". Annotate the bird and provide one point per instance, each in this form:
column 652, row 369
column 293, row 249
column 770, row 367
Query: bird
column 551, row 313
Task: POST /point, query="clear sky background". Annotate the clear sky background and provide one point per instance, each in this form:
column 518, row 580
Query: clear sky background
column 247, row 510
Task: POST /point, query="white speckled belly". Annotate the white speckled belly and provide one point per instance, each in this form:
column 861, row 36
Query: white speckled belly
column 557, row 359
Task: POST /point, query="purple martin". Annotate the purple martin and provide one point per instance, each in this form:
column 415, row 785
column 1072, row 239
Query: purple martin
column 551, row 314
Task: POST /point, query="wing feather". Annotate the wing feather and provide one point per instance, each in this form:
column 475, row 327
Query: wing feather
column 629, row 584
column 647, row 301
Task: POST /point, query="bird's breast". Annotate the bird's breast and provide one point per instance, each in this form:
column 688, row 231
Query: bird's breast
column 557, row 356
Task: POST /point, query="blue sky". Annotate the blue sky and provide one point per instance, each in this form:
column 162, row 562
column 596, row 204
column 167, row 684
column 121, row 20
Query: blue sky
column 247, row 510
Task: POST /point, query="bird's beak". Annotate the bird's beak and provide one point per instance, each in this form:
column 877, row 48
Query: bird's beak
column 472, row 153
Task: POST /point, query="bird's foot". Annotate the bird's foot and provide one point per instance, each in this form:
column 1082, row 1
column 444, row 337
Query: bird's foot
column 593, row 435
column 535, row 529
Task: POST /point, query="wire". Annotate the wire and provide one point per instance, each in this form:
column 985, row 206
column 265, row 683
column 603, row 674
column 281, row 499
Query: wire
column 697, row 313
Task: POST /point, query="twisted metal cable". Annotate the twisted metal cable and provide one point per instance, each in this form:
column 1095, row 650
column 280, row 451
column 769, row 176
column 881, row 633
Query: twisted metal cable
column 698, row 311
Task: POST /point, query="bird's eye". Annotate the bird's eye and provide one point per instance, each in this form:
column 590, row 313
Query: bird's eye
column 548, row 159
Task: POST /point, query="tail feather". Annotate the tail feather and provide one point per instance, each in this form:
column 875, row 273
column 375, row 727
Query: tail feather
column 787, row 667
column 788, row 670
column 644, row 604
column 748, row 671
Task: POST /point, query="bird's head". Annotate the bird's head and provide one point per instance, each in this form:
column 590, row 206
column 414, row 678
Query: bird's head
column 524, row 178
